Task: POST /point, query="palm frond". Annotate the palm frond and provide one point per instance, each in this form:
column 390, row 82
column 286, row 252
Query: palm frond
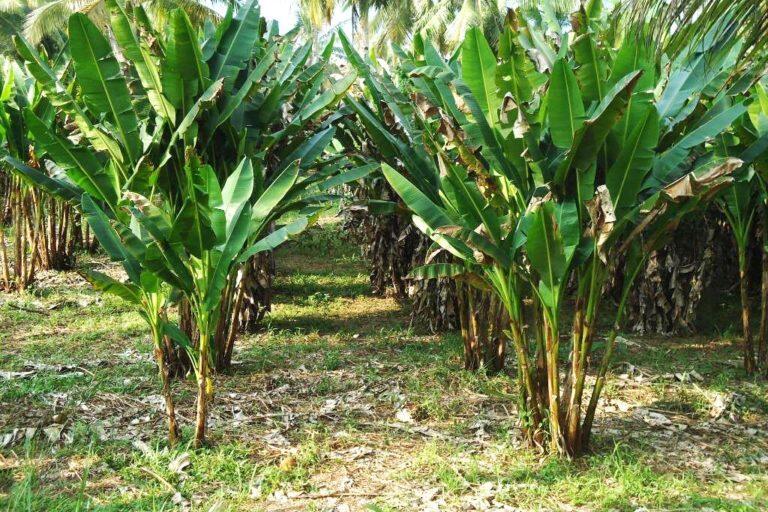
column 674, row 24
column 197, row 11
column 12, row 5
column 48, row 18
column 436, row 16
column 318, row 12
column 467, row 17
column 393, row 23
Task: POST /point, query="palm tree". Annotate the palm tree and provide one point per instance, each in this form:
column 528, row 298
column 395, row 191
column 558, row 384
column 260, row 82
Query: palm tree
column 9, row 25
column 319, row 13
column 378, row 23
column 393, row 23
column 446, row 21
column 674, row 23
column 44, row 18
column 12, row 13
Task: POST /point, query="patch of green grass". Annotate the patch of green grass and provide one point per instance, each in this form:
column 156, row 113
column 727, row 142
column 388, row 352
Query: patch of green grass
column 36, row 491
column 294, row 471
column 620, row 480
column 29, row 495
column 26, row 495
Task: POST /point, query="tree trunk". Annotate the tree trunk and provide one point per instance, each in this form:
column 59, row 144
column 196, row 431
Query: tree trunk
column 529, row 405
column 257, row 285
column 552, row 340
column 762, row 349
column 28, row 228
column 364, row 30
column 574, row 382
column 495, row 341
column 589, row 415
column 246, row 299
column 749, row 350
column 202, row 390
column 179, row 361
column 170, row 409
column 496, row 350
column 57, row 244
column 466, row 327
column 482, row 319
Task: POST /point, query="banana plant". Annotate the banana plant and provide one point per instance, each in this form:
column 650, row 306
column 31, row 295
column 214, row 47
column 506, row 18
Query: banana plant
column 78, row 173
column 753, row 136
column 554, row 175
column 739, row 205
column 381, row 131
column 743, row 205
column 195, row 245
column 383, row 126
column 152, row 157
column 143, row 288
column 286, row 117
column 46, row 231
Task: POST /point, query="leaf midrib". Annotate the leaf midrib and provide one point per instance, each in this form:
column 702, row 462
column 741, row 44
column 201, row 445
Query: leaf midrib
column 118, row 118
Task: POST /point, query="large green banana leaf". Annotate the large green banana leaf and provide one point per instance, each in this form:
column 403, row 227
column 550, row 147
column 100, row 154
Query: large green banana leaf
column 80, row 164
column 60, row 97
column 478, row 66
column 54, row 186
column 146, row 68
column 589, row 139
column 236, row 44
column 565, row 105
column 225, row 256
column 101, row 80
column 108, row 237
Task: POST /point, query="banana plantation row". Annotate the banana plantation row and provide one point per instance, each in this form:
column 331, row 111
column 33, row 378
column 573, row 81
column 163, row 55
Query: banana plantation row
column 542, row 172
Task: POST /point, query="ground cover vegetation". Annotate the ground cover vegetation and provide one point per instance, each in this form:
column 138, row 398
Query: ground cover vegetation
column 171, row 199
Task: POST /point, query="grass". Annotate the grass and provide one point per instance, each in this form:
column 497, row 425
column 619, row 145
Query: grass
column 310, row 416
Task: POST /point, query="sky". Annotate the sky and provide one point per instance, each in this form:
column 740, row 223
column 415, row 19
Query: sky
column 284, row 11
